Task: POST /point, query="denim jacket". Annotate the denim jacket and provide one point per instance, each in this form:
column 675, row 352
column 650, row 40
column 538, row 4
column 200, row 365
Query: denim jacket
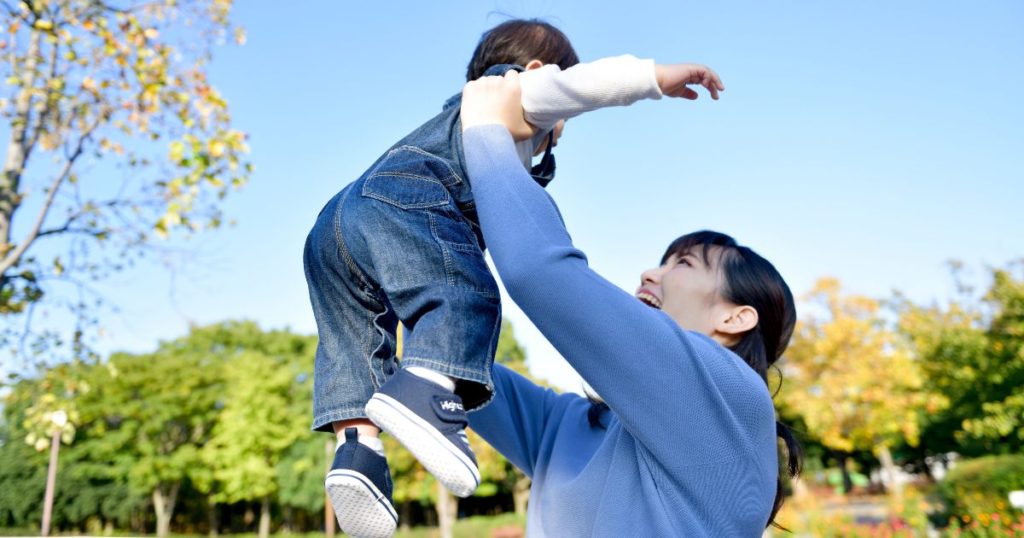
column 441, row 137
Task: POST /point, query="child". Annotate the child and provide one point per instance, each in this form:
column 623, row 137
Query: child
column 402, row 243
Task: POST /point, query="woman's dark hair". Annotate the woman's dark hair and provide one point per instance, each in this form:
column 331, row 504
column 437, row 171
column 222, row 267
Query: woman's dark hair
column 517, row 42
column 748, row 280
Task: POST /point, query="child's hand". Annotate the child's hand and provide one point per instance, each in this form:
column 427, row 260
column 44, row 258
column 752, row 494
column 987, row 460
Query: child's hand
column 495, row 100
column 673, row 78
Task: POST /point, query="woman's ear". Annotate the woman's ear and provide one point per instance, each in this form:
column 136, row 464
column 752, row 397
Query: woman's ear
column 737, row 320
column 533, row 64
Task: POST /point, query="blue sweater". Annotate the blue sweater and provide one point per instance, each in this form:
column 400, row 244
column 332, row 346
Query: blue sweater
column 690, row 446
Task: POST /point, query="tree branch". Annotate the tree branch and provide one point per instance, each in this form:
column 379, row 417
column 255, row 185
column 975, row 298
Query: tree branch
column 13, row 257
column 67, row 229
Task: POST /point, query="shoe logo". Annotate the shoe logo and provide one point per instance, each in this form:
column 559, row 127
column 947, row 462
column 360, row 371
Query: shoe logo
column 451, row 405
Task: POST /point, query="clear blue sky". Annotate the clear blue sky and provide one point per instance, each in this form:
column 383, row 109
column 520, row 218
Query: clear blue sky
column 870, row 141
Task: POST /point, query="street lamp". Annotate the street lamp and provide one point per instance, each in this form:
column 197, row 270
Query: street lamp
column 59, row 419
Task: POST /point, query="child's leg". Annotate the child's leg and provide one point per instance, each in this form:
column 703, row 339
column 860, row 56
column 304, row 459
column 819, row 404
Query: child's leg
column 356, row 326
column 427, row 260
column 355, row 354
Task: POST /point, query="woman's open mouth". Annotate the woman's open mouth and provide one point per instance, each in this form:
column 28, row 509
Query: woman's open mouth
column 648, row 299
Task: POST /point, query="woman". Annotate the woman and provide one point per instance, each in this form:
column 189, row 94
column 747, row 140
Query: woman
column 687, row 443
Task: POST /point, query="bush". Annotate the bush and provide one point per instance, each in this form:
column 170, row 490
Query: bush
column 981, row 486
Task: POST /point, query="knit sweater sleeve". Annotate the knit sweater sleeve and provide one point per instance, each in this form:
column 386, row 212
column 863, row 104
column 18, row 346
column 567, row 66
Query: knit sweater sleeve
column 550, row 94
column 515, row 421
column 685, row 398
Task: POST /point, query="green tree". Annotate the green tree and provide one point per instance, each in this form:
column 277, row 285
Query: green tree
column 971, row 352
column 22, row 467
column 86, row 490
column 115, row 137
column 254, row 430
column 301, row 474
column 147, row 417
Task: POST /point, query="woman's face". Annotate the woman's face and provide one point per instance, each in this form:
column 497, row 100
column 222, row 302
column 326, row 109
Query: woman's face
column 686, row 289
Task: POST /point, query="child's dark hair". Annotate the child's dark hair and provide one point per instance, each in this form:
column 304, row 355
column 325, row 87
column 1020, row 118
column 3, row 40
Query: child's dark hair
column 750, row 280
column 517, row 42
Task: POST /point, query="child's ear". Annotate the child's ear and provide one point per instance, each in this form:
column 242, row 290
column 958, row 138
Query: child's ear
column 533, row 64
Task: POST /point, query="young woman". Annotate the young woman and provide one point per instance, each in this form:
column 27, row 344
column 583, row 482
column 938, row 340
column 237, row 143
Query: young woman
column 686, row 444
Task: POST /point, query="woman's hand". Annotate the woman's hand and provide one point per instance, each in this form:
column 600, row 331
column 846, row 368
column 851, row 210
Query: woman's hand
column 495, row 100
column 673, row 80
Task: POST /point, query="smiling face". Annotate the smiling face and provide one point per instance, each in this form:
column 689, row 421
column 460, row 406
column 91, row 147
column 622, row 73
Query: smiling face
column 687, row 288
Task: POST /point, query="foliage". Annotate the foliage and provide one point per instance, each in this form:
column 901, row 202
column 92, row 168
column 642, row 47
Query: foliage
column 220, row 415
column 116, row 138
column 25, row 468
column 971, row 353
column 848, row 377
column 981, row 486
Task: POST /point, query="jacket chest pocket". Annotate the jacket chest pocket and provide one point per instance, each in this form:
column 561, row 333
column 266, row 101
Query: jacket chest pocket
column 410, row 178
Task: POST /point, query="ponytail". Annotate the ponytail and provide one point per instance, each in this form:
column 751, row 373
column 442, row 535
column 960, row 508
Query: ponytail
column 794, row 464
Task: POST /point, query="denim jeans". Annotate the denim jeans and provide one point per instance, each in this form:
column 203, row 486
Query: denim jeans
column 396, row 246
column 402, row 243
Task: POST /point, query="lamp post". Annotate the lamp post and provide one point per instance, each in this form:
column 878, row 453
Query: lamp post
column 59, row 419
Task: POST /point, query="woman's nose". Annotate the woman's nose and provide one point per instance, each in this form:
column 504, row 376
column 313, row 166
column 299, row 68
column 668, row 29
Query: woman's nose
column 650, row 276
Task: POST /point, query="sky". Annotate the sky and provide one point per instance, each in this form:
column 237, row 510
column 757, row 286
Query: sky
column 868, row 141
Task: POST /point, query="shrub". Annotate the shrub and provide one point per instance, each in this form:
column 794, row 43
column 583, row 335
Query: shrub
column 981, row 486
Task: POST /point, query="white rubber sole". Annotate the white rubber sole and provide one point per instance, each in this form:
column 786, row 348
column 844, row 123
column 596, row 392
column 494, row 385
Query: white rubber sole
column 362, row 510
column 444, row 460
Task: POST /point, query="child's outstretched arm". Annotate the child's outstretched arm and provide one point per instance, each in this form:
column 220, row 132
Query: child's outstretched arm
column 550, row 94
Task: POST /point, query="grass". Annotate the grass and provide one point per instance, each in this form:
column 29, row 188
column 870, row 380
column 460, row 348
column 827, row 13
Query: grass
column 470, row 527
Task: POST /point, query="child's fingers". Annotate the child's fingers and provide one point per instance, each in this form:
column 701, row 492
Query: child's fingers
column 712, row 83
column 688, row 93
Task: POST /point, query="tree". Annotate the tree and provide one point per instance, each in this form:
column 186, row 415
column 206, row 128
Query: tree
column 148, row 425
column 254, row 430
column 849, row 378
column 149, row 415
column 115, row 137
column 971, row 352
column 22, row 467
column 89, row 483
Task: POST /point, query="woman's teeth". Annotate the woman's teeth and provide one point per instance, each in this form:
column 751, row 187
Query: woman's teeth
column 649, row 299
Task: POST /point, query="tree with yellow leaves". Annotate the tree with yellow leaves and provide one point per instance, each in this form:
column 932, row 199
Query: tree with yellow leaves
column 115, row 138
column 850, row 378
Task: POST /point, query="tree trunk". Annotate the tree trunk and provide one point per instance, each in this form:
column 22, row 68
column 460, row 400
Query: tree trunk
column 406, row 517
column 288, row 524
column 213, row 518
column 447, row 509
column 843, row 467
column 889, row 472
column 18, row 148
column 265, row 518
column 163, row 504
column 521, row 493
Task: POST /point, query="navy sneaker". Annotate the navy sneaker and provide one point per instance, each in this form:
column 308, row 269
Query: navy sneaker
column 431, row 422
column 359, row 486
